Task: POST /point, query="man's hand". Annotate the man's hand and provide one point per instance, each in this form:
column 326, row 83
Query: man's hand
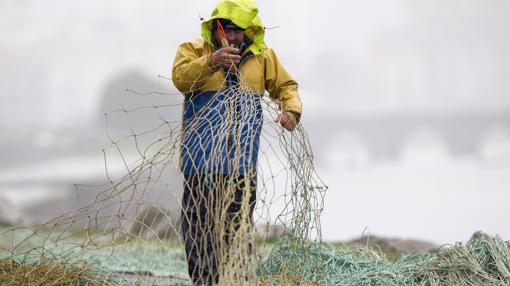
column 288, row 120
column 225, row 57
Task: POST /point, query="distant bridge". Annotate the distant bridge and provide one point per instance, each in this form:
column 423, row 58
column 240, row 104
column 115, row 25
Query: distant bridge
column 385, row 135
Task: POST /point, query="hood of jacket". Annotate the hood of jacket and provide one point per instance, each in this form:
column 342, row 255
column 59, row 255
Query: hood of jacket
column 243, row 13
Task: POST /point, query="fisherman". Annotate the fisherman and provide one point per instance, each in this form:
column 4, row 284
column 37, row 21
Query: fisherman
column 223, row 77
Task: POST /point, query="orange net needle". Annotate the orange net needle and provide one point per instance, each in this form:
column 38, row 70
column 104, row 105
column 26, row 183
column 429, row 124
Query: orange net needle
column 223, row 36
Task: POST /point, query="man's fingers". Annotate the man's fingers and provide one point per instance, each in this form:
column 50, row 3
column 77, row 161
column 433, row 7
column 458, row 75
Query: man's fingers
column 230, row 56
column 226, row 56
column 227, row 60
column 284, row 120
column 234, row 58
column 289, row 126
column 287, row 120
column 231, row 50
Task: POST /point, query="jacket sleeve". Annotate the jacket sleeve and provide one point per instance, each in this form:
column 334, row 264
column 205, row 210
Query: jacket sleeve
column 191, row 67
column 280, row 84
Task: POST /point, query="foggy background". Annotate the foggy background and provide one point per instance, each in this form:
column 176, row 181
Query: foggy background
column 406, row 102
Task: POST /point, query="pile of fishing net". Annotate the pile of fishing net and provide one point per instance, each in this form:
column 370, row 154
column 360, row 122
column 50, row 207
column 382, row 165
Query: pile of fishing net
column 483, row 260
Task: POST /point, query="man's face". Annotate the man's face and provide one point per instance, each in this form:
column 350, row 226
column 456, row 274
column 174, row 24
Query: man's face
column 234, row 37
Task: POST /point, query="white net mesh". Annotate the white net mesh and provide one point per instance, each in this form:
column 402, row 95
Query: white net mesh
column 198, row 198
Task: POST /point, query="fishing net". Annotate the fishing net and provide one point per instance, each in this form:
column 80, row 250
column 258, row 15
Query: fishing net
column 227, row 197
column 213, row 188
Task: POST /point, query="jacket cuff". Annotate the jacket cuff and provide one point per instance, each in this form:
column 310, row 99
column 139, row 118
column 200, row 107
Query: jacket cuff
column 211, row 64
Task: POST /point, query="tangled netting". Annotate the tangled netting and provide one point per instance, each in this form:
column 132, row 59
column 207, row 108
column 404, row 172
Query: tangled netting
column 213, row 188
column 229, row 189
column 484, row 260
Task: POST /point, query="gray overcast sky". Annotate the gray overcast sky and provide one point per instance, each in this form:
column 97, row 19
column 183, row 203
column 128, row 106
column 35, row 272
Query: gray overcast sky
column 358, row 55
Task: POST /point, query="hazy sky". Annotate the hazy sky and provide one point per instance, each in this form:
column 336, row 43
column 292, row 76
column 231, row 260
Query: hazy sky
column 57, row 55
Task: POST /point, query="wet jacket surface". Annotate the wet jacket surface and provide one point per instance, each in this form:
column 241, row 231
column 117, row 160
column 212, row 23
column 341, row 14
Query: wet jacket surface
column 222, row 113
